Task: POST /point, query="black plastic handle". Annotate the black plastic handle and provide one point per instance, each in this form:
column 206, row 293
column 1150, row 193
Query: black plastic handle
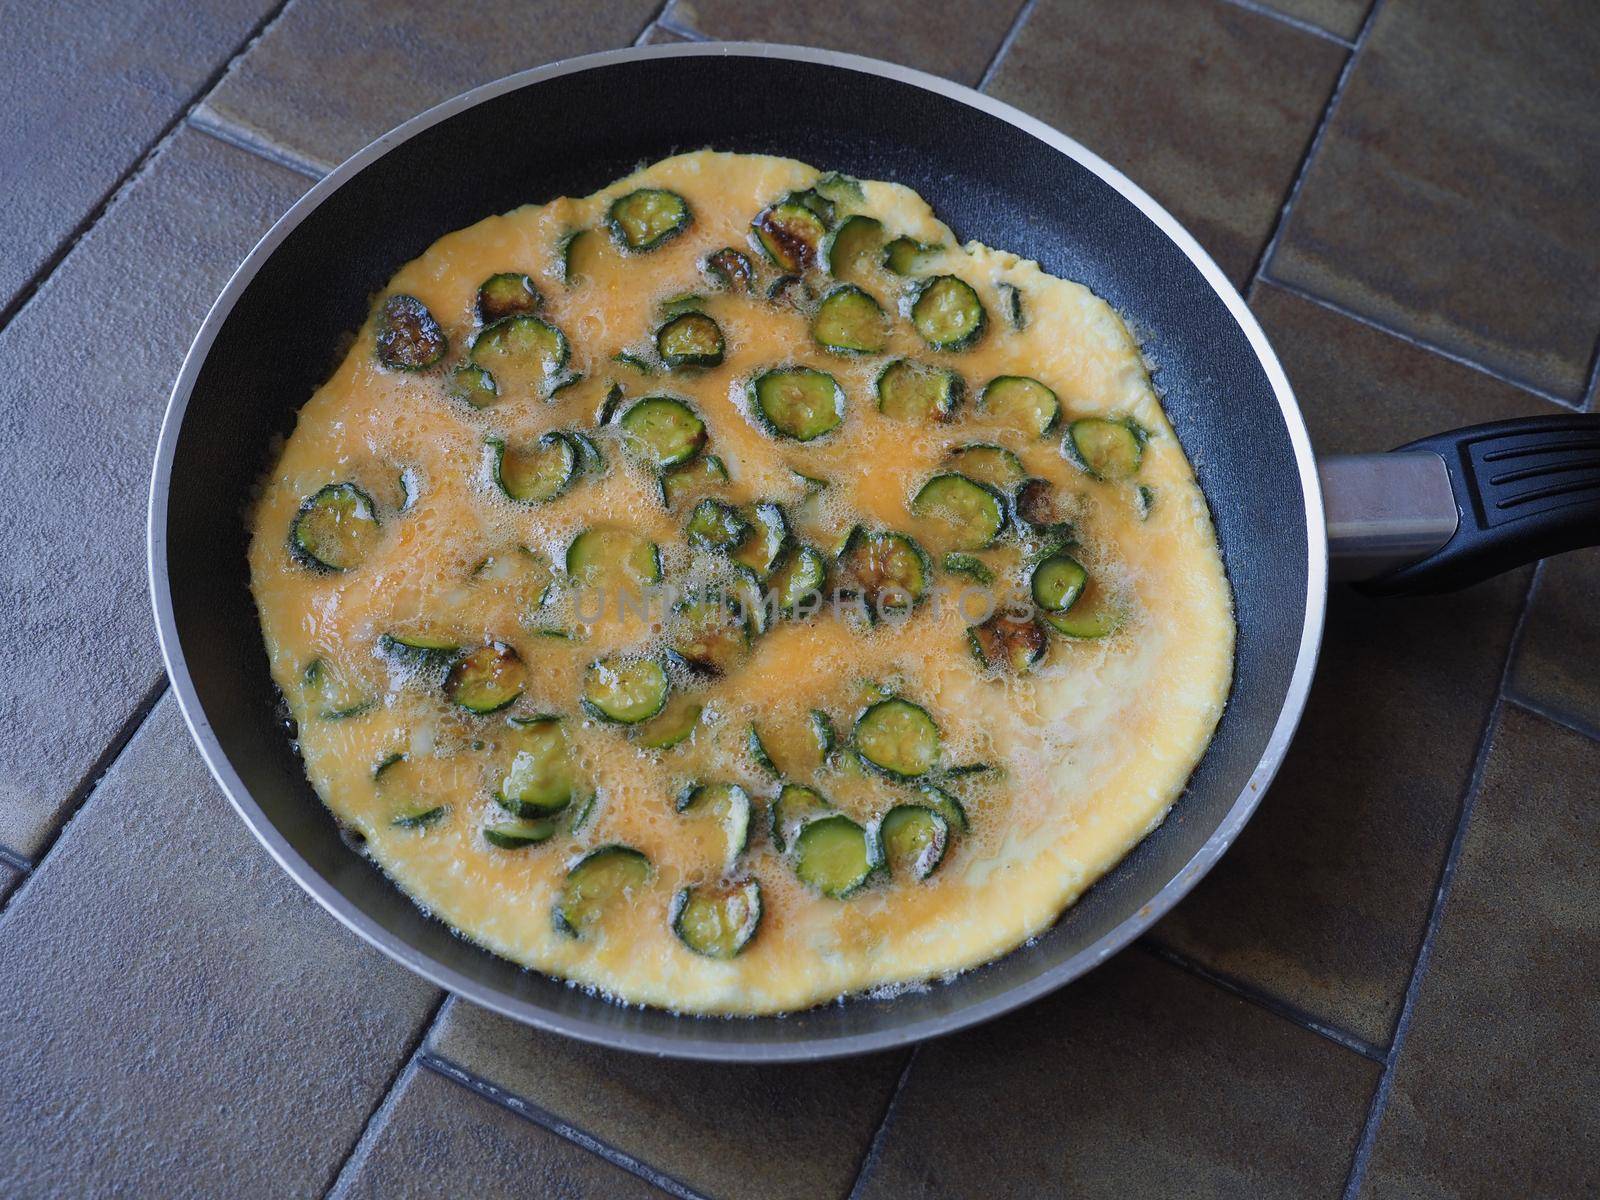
column 1526, row 489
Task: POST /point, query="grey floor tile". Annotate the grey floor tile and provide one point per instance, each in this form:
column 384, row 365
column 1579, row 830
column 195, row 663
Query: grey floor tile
column 1340, row 17
column 1323, row 900
column 93, row 356
column 330, row 76
column 86, row 94
column 1555, row 664
column 1495, row 1089
column 796, row 1132
column 176, row 1017
column 9, row 878
column 957, row 39
column 435, row 1138
column 1450, row 197
column 1140, row 1080
column 1207, row 105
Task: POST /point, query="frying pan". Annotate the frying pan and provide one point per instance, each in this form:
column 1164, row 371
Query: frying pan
column 1441, row 514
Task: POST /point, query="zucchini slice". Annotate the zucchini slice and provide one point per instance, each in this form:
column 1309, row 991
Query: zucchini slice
column 795, row 807
column 834, row 855
column 334, row 528
column 715, row 525
column 913, row 391
column 647, row 218
column 633, row 362
column 535, row 473
column 683, row 302
column 791, row 234
column 749, row 600
column 1011, row 305
column 717, row 920
column 729, row 270
column 946, row 804
column 791, row 291
column 539, row 779
column 1057, row 582
column 602, row 879
column 673, row 727
column 693, row 478
column 421, row 818
column 507, row 294
column 1105, row 449
column 690, row 339
column 473, row 385
column 517, row 571
column 625, row 691
column 987, row 463
column 728, row 806
column 797, row 402
column 857, row 243
column 974, row 569
column 709, row 635
column 408, row 338
column 334, row 696
column 766, row 540
column 914, row 840
column 836, row 185
column 422, row 650
column 822, row 734
column 578, row 815
column 898, row 737
column 517, row 835
column 1023, row 404
column 947, row 313
column 888, row 570
column 758, row 752
column 1144, row 501
column 663, row 431
column 613, row 558
column 487, row 680
column 1006, row 643
column 802, row 573
column 968, row 515
column 849, row 321
column 1034, row 503
column 1093, row 614
column 907, row 256
column 574, row 254
column 522, row 353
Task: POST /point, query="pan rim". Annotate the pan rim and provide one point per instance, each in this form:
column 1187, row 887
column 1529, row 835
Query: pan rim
column 691, row 1043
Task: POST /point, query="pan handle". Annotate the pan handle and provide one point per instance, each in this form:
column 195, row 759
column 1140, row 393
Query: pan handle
column 1453, row 509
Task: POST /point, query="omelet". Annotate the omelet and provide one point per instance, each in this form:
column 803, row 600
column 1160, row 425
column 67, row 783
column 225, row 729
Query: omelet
column 728, row 592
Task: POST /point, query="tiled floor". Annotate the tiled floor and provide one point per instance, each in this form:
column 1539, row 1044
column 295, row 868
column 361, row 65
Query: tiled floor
column 1385, row 988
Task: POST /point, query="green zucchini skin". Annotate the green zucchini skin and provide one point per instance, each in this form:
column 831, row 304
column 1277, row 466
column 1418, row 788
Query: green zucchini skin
column 907, row 256
column 790, row 234
column 801, row 573
column 729, row 270
column 625, row 692
column 594, row 883
column 539, row 781
column 708, row 634
column 795, row 805
column 946, row 804
column 472, row 385
column 705, row 471
column 1058, row 580
column 731, row 804
column 914, row 840
column 334, row 528
column 596, row 554
column 897, row 738
column 408, row 338
column 690, row 339
column 647, row 219
column 947, row 313
column 908, row 390
column 422, row 819
column 717, row 921
column 672, row 728
column 972, row 514
column 1107, row 450
column 1005, row 643
column 857, row 240
column 757, row 750
column 1028, row 405
column 973, row 568
column 835, row 856
column 884, row 565
column 850, row 321
column 716, row 525
column 663, row 430
column 338, row 700
column 536, row 474
column 800, row 403
column 767, row 538
column 487, row 680
column 520, row 345
column 822, row 733
column 519, row 834
column 506, row 295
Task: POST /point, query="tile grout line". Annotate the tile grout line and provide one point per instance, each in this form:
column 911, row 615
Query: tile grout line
column 1281, row 1009
column 1469, row 800
column 373, row 1125
column 1304, row 169
column 1293, row 22
column 1004, row 48
column 1413, row 340
column 552, row 1123
column 78, row 799
column 1571, row 724
column 229, row 133
column 869, row 1160
column 134, row 170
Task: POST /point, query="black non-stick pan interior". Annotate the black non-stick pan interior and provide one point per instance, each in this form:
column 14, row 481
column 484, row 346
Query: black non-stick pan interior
column 570, row 134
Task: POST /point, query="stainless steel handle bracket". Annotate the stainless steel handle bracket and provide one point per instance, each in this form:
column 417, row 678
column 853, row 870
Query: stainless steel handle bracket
column 1385, row 511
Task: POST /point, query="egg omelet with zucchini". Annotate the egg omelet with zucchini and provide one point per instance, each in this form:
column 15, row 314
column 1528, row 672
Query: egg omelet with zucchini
column 728, row 592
